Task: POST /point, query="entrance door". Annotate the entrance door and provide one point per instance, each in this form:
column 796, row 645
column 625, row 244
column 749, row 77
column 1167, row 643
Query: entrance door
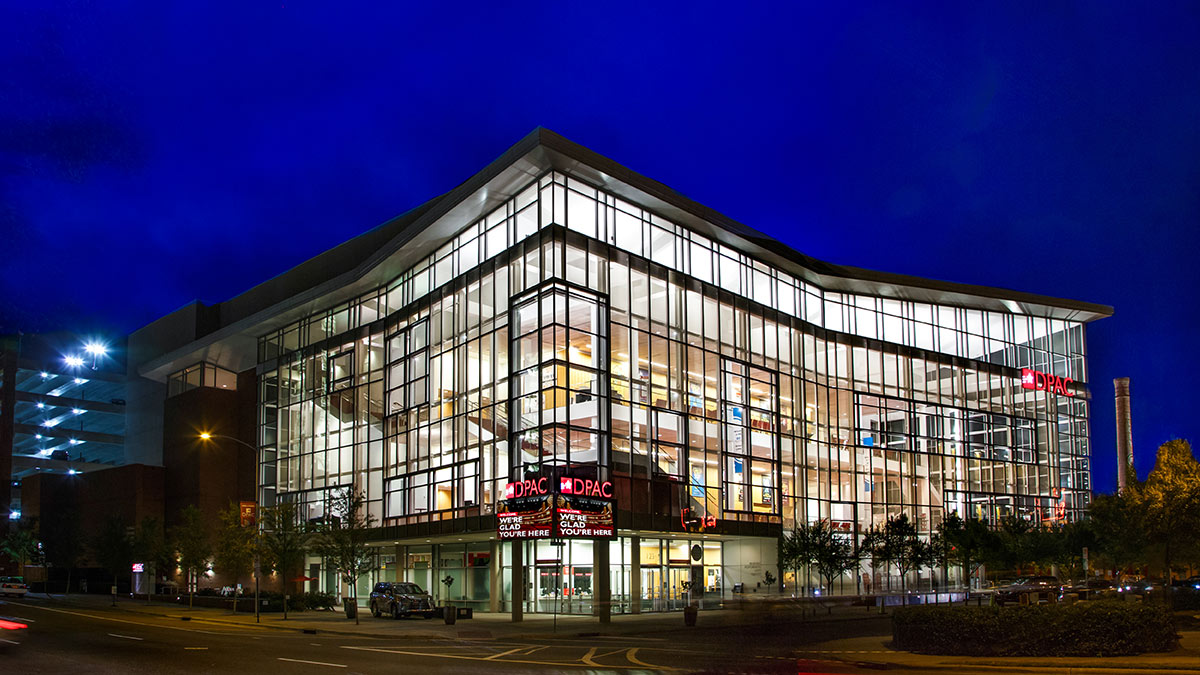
column 548, row 589
column 653, row 590
column 678, row 575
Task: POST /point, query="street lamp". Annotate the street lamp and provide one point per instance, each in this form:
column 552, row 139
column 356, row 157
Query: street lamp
column 206, row 436
column 95, row 350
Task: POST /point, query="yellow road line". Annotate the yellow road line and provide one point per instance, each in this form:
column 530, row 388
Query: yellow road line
column 560, row 664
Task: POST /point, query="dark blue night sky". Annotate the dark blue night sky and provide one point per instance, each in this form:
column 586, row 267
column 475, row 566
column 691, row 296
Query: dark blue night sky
column 155, row 153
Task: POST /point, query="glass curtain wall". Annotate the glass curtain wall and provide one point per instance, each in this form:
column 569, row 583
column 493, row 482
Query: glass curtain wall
column 701, row 378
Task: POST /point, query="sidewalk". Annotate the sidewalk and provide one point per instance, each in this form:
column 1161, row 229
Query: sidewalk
column 874, row 650
column 484, row 625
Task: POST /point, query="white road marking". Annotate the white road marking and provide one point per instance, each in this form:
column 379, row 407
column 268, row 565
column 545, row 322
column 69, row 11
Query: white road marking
column 315, row 663
column 126, row 637
column 11, row 642
column 21, row 618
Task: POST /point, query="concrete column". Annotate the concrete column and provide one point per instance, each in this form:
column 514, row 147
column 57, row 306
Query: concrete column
column 518, row 580
column 635, row 574
column 402, row 563
column 435, row 579
column 601, row 580
column 495, row 576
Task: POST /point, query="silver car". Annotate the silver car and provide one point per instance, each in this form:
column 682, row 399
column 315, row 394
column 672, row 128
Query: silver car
column 401, row 598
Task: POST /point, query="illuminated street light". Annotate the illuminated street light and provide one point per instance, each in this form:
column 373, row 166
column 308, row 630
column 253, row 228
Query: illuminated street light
column 74, row 361
column 207, row 436
column 96, row 350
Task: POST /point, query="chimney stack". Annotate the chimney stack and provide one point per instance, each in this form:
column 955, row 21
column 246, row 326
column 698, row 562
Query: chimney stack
column 1124, row 434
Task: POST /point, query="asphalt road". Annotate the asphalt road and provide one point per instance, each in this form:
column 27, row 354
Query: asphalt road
column 96, row 640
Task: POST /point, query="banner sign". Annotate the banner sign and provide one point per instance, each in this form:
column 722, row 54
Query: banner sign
column 558, row 507
column 525, row 518
column 249, row 513
column 577, row 516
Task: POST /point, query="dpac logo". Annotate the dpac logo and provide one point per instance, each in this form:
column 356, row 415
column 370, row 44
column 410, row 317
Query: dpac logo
column 585, row 487
column 526, row 488
column 1039, row 381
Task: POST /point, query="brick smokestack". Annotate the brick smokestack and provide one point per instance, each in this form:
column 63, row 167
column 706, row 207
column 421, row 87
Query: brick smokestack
column 1124, row 434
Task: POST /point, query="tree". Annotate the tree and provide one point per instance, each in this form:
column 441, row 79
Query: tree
column 898, row 543
column 1170, row 498
column 876, row 548
column 1118, row 521
column 150, row 547
column 1011, row 545
column 233, row 553
column 342, row 538
column 970, row 540
column 835, row 555
column 112, row 548
column 798, row 548
column 20, row 545
column 284, row 542
column 941, row 553
column 190, row 539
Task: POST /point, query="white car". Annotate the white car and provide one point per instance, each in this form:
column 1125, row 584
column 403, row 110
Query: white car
column 13, row 586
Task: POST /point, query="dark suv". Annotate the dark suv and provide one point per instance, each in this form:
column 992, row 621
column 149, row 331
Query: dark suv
column 401, row 598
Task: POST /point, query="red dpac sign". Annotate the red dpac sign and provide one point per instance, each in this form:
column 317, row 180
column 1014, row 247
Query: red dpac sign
column 585, row 487
column 1034, row 379
column 526, row 488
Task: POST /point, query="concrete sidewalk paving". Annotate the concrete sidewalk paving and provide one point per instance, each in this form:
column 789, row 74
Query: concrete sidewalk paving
column 875, row 651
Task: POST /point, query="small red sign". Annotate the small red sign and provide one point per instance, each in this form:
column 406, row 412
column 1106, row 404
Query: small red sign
column 1039, row 381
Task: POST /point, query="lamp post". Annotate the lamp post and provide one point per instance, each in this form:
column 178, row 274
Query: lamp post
column 206, row 436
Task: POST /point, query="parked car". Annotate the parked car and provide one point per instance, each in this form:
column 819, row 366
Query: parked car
column 10, row 586
column 1093, row 587
column 401, row 598
column 1038, row 589
column 1141, row 586
column 1188, row 584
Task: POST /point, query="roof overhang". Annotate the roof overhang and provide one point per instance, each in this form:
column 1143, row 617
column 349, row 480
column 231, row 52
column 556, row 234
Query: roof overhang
column 378, row 256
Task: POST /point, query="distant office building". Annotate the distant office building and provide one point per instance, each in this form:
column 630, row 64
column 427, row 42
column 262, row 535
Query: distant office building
column 62, row 407
column 572, row 389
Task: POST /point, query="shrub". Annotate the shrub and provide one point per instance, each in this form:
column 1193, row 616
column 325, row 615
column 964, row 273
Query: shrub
column 319, row 600
column 1101, row 628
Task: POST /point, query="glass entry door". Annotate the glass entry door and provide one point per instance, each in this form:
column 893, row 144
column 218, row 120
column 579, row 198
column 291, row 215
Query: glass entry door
column 654, row 590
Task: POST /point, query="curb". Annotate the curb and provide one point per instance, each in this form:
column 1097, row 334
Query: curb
column 1063, row 669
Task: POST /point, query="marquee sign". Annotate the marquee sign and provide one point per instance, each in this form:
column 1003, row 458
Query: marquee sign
column 1039, row 381
column 569, row 507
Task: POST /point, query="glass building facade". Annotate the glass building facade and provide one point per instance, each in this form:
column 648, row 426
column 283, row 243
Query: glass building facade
column 571, row 328
column 728, row 396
